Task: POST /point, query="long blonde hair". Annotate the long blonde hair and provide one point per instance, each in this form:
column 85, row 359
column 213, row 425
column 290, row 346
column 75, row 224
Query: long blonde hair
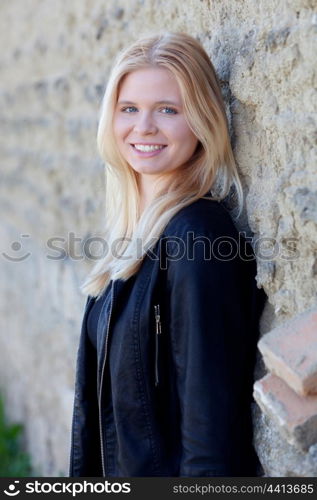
column 211, row 169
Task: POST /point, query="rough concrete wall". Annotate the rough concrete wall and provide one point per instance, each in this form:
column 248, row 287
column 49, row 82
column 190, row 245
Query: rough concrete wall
column 54, row 64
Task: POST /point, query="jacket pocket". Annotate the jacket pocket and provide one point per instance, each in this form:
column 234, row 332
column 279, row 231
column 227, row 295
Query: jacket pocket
column 158, row 333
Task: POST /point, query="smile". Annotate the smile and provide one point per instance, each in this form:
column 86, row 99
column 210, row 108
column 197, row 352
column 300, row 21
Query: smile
column 148, row 147
column 147, row 150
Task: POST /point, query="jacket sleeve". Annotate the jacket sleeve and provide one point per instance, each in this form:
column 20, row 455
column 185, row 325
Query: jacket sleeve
column 214, row 309
column 85, row 455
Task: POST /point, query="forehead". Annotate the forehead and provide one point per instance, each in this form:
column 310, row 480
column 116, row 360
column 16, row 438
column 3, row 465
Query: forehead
column 147, row 82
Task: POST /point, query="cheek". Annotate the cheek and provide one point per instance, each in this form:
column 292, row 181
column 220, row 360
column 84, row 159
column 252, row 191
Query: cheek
column 119, row 128
column 116, row 129
column 184, row 137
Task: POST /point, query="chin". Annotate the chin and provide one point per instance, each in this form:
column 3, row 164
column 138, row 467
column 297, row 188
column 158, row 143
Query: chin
column 147, row 170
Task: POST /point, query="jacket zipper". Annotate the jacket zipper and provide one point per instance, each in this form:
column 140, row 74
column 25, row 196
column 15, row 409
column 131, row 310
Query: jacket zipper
column 158, row 331
column 100, row 390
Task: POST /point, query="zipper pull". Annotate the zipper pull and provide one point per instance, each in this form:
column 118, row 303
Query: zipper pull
column 158, row 319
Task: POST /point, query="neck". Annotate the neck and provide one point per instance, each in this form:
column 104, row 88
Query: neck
column 148, row 188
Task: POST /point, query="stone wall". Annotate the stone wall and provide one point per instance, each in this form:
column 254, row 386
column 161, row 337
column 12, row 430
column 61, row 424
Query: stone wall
column 54, row 64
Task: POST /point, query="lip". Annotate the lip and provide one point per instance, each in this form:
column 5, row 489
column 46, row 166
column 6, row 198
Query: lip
column 148, row 154
column 147, row 143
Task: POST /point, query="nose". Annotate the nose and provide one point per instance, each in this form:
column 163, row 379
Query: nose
column 145, row 124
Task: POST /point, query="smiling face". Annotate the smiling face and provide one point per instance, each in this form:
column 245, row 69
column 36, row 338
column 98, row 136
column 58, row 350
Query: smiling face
column 149, row 124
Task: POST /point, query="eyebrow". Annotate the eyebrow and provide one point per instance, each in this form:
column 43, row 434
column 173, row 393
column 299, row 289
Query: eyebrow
column 165, row 101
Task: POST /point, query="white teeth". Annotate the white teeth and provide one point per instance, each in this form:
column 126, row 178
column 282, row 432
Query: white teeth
column 147, row 148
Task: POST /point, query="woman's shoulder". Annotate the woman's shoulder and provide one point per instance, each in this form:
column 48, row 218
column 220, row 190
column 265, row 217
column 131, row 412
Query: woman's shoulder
column 204, row 217
column 223, row 246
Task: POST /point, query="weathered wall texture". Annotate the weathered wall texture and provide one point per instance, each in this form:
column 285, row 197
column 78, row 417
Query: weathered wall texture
column 54, row 63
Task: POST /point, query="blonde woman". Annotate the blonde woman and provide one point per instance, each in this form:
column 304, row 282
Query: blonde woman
column 168, row 341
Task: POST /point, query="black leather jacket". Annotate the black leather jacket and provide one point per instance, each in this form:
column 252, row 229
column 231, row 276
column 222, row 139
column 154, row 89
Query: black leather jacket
column 182, row 395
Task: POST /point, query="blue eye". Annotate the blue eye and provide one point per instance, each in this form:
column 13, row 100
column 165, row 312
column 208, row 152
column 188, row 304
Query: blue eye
column 127, row 109
column 169, row 111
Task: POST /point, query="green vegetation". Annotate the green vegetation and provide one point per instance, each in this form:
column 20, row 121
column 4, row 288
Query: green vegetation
column 13, row 461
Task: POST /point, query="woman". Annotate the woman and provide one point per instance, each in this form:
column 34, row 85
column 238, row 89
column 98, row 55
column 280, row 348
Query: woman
column 168, row 341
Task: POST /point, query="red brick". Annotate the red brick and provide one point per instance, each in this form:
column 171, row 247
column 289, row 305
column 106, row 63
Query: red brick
column 295, row 415
column 290, row 351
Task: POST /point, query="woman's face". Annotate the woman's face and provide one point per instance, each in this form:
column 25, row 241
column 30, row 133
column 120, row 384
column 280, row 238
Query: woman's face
column 149, row 123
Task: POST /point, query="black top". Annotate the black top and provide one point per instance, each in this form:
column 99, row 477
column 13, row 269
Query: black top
column 93, row 316
column 102, row 306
